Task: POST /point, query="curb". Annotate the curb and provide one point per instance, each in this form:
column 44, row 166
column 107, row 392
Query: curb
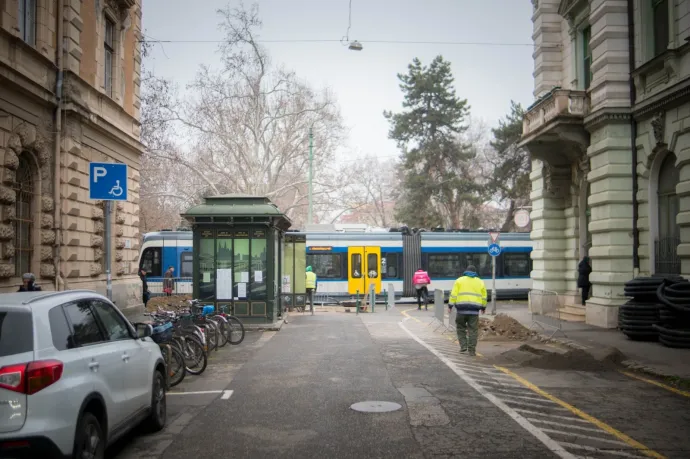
column 629, row 364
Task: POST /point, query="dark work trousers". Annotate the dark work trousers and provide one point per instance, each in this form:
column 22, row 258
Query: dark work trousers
column 585, row 294
column 310, row 298
column 423, row 292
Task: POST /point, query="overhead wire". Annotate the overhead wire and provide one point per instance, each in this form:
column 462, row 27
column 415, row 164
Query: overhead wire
column 401, row 42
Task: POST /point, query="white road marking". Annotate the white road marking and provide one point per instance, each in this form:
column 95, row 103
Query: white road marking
column 535, row 405
column 226, row 394
column 600, row 451
column 562, row 424
column 552, row 445
column 567, row 418
column 579, row 435
column 199, row 392
column 524, row 397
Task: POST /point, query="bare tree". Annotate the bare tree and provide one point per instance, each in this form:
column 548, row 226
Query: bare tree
column 370, row 196
column 249, row 125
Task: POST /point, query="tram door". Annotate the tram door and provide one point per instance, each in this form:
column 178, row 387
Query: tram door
column 364, row 269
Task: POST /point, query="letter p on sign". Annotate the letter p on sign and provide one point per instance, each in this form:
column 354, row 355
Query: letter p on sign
column 99, row 172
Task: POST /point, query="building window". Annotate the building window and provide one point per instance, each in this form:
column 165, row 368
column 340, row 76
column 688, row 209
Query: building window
column 24, row 217
column 27, row 21
column 660, row 25
column 109, row 48
column 587, row 57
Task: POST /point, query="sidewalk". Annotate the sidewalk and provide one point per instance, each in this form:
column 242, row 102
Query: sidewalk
column 651, row 357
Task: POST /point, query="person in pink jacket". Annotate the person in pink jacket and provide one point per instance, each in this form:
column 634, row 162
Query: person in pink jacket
column 421, row 280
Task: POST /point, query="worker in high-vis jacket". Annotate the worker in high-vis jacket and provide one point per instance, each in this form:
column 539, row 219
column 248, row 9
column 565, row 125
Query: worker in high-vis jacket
column 311, row 286
column 469, row 298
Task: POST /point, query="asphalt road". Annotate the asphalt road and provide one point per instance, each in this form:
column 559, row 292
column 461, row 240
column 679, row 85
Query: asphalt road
column 292, row 391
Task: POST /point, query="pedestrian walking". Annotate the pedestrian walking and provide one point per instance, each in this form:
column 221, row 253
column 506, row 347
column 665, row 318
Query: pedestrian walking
column 146, row 295
column 169, row 281
column 584, row 269
column 421, row 280
column 28, row 284
column 311, row 286
column 469, row 298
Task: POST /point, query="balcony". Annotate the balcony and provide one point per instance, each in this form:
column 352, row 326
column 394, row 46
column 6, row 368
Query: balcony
column 553, row 128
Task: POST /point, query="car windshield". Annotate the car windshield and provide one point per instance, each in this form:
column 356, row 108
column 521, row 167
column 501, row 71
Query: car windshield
column 16, row 332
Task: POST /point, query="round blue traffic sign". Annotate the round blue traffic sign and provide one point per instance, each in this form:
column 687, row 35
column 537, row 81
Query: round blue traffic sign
column 494, row 250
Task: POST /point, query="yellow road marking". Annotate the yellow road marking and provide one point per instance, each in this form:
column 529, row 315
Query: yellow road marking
column 657, row 383
column 602, row 425
column 405, row 313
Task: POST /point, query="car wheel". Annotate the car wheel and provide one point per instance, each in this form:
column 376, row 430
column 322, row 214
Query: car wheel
column 159, row 410
column 89, row 442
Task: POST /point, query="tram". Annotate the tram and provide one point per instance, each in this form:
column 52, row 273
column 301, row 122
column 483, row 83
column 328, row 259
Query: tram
column 347, row 263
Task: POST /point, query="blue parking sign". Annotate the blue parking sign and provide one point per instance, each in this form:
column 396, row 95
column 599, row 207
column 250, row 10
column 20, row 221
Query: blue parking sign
column 494, row 250
column 108, row 181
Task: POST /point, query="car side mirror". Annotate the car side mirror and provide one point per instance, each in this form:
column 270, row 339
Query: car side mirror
column 144, row 330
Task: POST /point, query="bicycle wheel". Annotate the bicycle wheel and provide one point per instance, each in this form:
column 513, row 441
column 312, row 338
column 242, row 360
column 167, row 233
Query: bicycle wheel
column 195, row 356
column 217, row 323
column 235, row 330
column 176, row 371
column 222, row 328
column 211, row 336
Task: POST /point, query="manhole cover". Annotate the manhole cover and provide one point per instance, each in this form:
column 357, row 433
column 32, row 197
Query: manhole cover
column 375, row 407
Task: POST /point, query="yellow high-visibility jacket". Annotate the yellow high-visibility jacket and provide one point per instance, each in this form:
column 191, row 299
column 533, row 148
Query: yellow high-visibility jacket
column 468, row 294
column 311, row 280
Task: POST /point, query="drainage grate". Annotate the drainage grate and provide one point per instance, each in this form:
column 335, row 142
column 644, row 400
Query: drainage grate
column 375, row 407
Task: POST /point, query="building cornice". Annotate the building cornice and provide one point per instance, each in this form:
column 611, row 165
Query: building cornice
column 615, row 115
column 569, row 8
column 676, row 94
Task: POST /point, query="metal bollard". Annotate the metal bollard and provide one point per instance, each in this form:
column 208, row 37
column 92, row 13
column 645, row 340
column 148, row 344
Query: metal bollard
column 357, row 303
column 372, row 295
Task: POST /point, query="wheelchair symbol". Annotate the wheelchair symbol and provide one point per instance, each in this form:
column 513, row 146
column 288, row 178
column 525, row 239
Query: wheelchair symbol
column 117, row 190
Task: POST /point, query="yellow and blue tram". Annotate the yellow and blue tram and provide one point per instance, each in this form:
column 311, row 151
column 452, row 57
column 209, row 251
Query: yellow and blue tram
column 347, row 263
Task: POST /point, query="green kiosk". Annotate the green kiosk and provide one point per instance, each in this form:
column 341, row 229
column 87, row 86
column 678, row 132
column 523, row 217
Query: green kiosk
column 238, row 255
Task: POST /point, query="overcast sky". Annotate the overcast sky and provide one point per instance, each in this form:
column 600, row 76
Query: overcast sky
column 365, row 83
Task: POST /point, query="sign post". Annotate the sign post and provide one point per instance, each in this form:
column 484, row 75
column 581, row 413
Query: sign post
column 494, row 251
column 108, row 182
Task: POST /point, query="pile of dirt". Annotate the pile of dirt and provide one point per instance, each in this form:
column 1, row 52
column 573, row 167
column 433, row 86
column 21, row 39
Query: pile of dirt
column 503, row 327
column 547, row 359
column 168, row 303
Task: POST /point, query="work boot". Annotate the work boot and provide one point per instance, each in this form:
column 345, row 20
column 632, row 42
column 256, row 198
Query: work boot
column 463, row 351
column 472, row 354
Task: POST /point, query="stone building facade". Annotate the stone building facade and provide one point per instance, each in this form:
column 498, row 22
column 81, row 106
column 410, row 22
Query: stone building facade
column 609, row 136
column 69, row 95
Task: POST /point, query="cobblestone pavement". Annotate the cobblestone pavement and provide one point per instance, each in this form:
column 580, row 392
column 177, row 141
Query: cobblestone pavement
column 292, row 392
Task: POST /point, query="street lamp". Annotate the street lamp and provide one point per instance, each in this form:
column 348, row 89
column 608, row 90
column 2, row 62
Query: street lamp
column 355, row 46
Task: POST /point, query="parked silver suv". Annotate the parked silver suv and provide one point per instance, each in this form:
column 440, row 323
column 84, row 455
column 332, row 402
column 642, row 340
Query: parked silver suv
column 74, row 375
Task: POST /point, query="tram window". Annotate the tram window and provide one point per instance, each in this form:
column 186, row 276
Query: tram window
column 481, row 261
column 151, row 262
column 356, row 266
column 186, row 269
column 373, row 265
column 326, row 265
column 448, row 265
column 389, row 265
column 516, row 264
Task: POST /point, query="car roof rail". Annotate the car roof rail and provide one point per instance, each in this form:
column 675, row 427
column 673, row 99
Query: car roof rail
column 49, row 294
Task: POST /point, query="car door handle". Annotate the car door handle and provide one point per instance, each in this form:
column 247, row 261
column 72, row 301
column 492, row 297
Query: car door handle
column 125, row 357
column 94, row 366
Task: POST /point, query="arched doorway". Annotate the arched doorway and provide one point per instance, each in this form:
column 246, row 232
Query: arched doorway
column 666, row 260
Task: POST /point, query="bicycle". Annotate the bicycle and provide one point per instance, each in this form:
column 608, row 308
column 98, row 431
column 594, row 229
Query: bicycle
column 188, row 339
column 162, row 335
